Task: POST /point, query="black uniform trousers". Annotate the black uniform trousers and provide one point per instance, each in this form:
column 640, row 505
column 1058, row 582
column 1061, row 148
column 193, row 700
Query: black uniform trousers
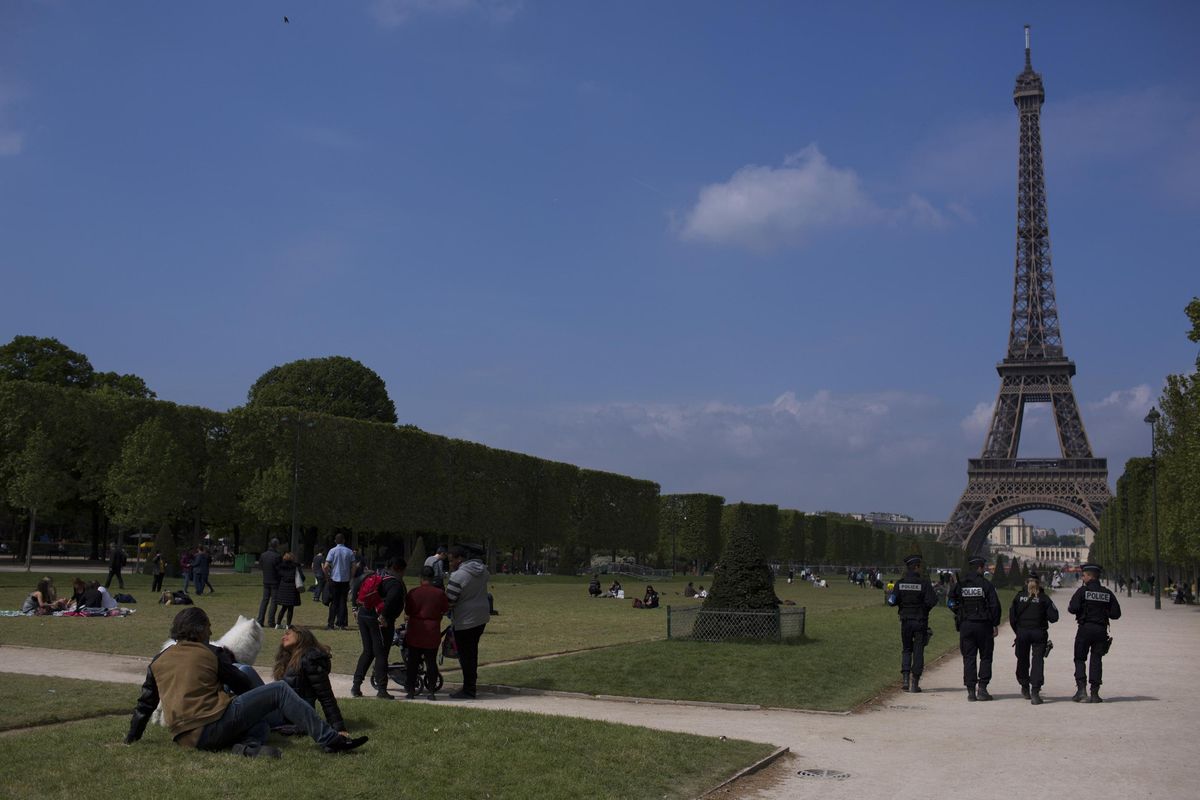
column 468, row 656
column 157, row 585
column 1031, row 656
column 1090, row 637
column 912, row 645
column 338, row 592
column 373, row 651
column 114, row 572
column 975, row 639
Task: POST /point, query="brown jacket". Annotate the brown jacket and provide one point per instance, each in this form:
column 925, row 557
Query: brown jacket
column 189, row 678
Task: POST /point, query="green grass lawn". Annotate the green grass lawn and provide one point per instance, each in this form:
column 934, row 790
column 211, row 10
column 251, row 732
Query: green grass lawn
column 27, row 700
column 426, row 751
column 849, row 656
column 538, row 615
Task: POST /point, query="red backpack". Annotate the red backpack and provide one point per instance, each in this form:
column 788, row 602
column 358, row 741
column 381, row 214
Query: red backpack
column 369, row 593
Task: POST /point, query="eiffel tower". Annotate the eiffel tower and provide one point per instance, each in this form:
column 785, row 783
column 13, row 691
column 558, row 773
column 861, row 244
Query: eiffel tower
column 1035, row 370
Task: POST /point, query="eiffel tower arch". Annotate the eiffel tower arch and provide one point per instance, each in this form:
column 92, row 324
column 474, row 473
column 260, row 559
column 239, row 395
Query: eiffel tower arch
column 1035, row 370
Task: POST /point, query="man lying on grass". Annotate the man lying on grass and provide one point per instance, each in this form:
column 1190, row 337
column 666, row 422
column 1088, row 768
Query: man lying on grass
column 190, row 677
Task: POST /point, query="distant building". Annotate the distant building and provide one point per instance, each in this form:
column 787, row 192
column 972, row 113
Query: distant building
column 1012, row 532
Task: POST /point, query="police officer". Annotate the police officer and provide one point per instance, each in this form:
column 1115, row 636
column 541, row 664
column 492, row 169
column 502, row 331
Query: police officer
column 1093, row 606
column 977, row 617
column 913, row 597
column 1030, row 617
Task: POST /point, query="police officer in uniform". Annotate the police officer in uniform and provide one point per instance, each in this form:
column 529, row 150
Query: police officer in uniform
column 977, row 617
column 1093, row 606
column 1030, row 617
column 913, row 597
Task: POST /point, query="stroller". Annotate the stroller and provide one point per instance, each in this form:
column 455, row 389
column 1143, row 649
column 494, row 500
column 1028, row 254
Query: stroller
column 398, row 672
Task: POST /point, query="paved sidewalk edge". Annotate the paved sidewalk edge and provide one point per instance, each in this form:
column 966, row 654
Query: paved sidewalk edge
column 748, row 771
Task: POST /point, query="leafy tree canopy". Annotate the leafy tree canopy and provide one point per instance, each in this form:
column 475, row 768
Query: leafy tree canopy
column 42, row 360
column 123, row 385
column 1193, row 312
column 335, row 385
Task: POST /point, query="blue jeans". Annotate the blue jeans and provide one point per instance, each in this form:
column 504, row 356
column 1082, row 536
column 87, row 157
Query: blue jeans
column 245, row 720
column 187, row 579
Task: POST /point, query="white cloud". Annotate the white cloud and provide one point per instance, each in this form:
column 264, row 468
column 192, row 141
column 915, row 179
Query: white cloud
column 975, row 425
column 395, row 13
column 1135, row 401
column 762, row 208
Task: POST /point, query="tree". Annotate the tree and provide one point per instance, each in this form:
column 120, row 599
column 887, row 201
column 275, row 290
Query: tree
column 335, row 385
column 152, row 481
column 744, row 581
column 122, row 385
column 38, row 482
column 42, row 360
column 416, row 559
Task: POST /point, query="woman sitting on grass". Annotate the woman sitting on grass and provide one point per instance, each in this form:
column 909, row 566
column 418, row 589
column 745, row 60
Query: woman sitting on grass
column 303, row 663
column 615, row 590
column 43, row 600
column 649, row 601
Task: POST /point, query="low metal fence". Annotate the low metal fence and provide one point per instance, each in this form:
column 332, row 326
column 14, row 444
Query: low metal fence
column 721, row 625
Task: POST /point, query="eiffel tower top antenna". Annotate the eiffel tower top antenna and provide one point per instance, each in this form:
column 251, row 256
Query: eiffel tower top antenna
column 1028, row 62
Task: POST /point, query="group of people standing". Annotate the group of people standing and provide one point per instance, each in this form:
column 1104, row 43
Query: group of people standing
column 977, row 615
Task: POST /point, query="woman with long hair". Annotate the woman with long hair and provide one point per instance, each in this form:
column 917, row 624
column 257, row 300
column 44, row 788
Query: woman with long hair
column 287, row 593
column 304, row 664
column 43, row 599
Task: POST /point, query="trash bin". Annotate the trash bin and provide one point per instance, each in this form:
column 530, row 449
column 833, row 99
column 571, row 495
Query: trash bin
column 242, row 562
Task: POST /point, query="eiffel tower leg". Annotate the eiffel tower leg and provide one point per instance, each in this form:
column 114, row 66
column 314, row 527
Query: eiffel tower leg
column 965, row 516
column 1071, row 435
column 1004, row 435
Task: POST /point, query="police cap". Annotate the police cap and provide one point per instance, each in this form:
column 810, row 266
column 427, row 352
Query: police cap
column 1090, row 567
column 912, row 560
column 976, row 561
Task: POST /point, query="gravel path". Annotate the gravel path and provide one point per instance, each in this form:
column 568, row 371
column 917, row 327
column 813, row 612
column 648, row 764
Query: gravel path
column 1136, row 744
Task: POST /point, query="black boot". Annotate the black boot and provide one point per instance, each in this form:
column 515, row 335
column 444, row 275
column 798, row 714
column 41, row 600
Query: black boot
column 1025, row 690
column 915, row 688
column 971, row 694
column 1035, row 696
column 1080, row 690
column 1095, row 696
column 983, row 692
column 904, row 682
column 356, row 689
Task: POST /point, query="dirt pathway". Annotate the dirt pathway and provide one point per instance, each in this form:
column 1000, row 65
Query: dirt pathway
column 1133, row 745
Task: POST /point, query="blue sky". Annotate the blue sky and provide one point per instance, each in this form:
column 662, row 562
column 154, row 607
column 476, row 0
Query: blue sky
column 758, row 249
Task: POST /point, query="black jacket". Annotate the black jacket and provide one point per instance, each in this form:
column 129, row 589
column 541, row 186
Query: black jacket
column 915, row 597
column 286, row 593
column 974, row 599
column 1032, row 613
column 392, row 591
column 270, row 567
column 311, row 681
column 1094, row 603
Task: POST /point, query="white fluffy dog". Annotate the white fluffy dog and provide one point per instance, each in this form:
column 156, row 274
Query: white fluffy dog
column 244, row 640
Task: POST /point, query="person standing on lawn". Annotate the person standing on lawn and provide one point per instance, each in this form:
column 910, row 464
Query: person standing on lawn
column 425, row 606
column 115, row 564
column 375, row 592
column 437, row 562
column 189, row 679
column 200, row 566
column 318, row 572
column 287, row 592
column 160, row 572
column 185, row 566
column 467, row 593
column 339, row 566
column 269, row 561
column 914, row 598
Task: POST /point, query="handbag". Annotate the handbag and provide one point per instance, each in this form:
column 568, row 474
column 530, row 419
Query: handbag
column 300, row 580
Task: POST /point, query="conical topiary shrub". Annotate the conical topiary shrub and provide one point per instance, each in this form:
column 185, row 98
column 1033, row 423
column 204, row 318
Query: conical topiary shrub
column 742, row 582
column 416, row 559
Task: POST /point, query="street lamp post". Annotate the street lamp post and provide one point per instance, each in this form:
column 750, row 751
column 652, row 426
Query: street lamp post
column 1152, row 420
column 1128, row 558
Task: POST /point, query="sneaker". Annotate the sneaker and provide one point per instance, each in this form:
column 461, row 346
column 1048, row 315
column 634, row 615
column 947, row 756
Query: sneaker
column 255, row 750
column 462, row 694
column 344, row 744
column 281, row 627
column 382, row 694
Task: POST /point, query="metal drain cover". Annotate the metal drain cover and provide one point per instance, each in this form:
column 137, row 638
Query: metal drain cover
column 824, row 774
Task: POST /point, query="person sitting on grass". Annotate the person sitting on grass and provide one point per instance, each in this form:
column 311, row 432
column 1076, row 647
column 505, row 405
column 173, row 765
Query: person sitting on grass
column 615, row 590
column 701, row 593
column 594, row 586
column 189, row 678
column 649, row 601
column 43, row 600
column 689, row 590
column 304, row 664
